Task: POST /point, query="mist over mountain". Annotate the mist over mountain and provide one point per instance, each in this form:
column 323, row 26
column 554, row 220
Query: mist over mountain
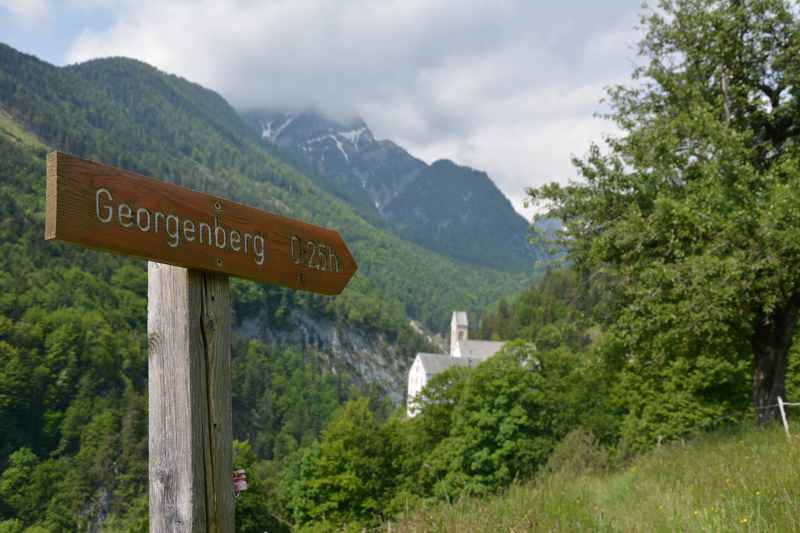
column 450, row 209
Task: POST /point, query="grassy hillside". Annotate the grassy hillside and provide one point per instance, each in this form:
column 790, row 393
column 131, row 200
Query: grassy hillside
column 747, row 480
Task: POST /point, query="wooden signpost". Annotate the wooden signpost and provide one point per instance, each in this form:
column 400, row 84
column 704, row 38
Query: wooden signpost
column 110, row 209
column 195, row 241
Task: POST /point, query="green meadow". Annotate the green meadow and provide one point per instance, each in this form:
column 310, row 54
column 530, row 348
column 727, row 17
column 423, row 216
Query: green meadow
column 743, row 480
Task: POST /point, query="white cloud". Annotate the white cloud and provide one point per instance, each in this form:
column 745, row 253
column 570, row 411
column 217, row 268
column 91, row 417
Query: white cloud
column 526, row 153
column 26, row 11
column 506, row 86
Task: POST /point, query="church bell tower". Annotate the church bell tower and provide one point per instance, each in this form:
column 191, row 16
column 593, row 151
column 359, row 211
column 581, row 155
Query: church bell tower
column 459, row 331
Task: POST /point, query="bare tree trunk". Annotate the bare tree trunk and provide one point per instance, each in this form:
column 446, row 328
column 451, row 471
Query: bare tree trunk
column 771, row 343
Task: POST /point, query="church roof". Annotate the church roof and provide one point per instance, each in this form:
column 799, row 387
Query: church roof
column 433, row 363
column 480, row 350
column 461, row 318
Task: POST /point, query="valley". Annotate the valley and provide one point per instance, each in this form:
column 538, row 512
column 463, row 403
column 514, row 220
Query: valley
column 628, row 360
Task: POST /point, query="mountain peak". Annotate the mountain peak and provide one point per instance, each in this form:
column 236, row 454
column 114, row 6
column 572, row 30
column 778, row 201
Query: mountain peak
column 446, row 207
column 308, row 129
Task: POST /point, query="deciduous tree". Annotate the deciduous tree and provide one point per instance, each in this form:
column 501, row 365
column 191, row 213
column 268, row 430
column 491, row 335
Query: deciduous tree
column 694, row 210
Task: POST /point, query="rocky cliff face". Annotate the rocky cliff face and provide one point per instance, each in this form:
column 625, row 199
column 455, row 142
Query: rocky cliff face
column 366, row 356
column 447, row 208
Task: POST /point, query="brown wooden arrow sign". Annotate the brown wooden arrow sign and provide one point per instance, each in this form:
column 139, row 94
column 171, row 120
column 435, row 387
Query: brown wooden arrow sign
column 110, row 209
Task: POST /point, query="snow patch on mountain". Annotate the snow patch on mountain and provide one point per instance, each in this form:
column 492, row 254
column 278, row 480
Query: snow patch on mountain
column 354, row 136
column 271, row 135
column 306, row 146
column 284, row 126
column 266, row 131
column 339, row 146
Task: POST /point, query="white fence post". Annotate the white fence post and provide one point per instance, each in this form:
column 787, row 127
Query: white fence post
column 783, row 416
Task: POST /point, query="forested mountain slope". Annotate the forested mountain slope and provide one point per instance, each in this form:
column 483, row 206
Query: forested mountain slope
column 73, row 356
column 126, row 113
column 73, row 372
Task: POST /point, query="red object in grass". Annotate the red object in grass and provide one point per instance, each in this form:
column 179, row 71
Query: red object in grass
column 239, row 482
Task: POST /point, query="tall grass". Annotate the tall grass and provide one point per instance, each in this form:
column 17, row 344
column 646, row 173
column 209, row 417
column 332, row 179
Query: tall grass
column 748, row 480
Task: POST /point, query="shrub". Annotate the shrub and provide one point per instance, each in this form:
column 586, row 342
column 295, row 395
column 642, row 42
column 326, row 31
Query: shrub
column 578, row 454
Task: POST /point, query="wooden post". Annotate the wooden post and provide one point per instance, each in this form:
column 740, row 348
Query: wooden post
column 189, row 311
column 190, row 435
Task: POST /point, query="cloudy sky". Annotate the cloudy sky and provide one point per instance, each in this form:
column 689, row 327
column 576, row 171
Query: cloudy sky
column 506, row 86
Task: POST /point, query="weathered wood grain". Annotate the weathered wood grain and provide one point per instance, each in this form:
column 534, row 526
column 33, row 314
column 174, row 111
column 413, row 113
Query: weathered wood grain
column 189, row 391
column 110, row 209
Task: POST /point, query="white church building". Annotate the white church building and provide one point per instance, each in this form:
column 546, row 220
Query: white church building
column 463, row 352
